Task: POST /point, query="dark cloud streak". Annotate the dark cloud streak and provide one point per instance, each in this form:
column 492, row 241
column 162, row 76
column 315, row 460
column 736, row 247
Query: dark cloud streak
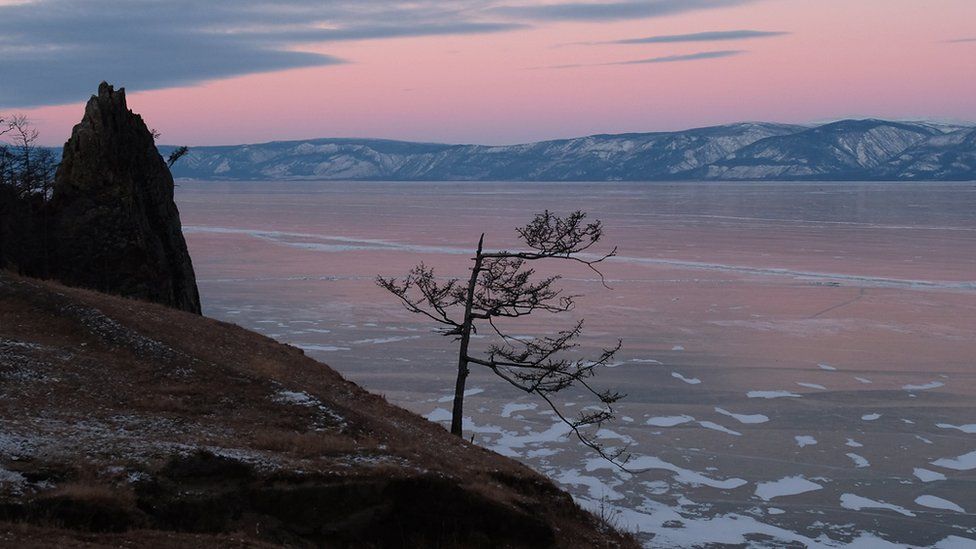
column 654, row 60
column 713, row 36
column 613, row 11
column 55, row 51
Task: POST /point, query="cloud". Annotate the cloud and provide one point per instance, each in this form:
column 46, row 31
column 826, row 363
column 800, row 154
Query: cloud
column 653, row 60
column 56, row 51
column 612, row 11
column 713, row 36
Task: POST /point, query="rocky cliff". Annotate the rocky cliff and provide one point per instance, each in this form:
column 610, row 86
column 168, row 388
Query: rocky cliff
column 114, row 226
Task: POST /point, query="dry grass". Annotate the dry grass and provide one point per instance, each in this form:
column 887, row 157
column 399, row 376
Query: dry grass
column 139, row 383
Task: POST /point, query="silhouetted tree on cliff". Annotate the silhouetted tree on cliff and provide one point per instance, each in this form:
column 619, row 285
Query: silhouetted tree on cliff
column 503, row 286
column 24, row 165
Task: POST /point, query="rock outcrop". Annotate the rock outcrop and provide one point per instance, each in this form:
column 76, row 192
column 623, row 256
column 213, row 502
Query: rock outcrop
column 115, row 226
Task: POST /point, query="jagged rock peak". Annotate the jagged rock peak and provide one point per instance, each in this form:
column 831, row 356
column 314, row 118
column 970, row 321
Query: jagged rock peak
column 118, row 228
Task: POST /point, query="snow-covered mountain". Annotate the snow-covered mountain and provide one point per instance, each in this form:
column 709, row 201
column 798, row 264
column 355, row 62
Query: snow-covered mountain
column 849, row 149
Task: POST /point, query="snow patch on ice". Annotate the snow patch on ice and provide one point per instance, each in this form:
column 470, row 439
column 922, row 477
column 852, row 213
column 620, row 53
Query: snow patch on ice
column 804, row 440
column 926, row 475
column 859, row 461
column 772, row 394
column 964, row 462
column 439, row 414
column 933, row 502
column 682, row 475
column 853, row 443
column 668, row 421
column 871, row 417
column 968, row 429
column 856, row 503
column 689, row 381
column 744, row 418
column 320, row 348
column 717, row 427
column 811, row 385
column 827, row 367
column 467, row 393
column 924, row 386
column 382, row 340
column 513, row 407
column 789, row 486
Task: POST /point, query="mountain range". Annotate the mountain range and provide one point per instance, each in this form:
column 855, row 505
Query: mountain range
column 844, row 150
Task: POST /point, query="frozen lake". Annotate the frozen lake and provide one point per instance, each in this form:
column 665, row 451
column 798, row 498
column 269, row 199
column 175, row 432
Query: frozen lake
column 799, row 358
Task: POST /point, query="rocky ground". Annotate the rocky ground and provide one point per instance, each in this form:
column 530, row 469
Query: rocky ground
column 124, row 423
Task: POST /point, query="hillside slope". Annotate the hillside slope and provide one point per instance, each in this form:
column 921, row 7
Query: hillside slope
column 848, row 149
column 127, row 423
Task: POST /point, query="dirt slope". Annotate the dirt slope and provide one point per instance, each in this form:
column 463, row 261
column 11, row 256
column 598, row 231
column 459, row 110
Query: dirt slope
column 124, row 423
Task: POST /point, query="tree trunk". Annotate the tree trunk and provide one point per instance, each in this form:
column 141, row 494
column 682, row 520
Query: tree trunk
column 462, row 375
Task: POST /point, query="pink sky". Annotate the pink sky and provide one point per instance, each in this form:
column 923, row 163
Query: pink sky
column 843, row 58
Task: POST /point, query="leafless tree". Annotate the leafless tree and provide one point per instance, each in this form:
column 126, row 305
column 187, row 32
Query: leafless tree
column 25, row 165
column 503, row 286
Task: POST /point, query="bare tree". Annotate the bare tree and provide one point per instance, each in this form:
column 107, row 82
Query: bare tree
column 503, row 286
column 25, row 165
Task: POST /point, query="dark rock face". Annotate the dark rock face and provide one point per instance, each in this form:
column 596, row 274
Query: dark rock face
column 116, row 228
